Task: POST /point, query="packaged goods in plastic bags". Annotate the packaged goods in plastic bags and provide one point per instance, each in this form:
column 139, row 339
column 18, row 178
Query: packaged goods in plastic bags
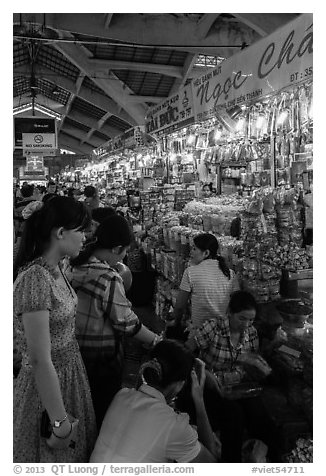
column 255, row 365
column 302, row 453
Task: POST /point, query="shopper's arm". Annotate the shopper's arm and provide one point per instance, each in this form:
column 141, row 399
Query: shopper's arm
column 146, row 336
column 37, row 333
column 122, row 317
column 205, row 433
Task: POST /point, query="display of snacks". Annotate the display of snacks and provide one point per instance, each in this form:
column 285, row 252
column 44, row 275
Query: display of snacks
column 289, row 224
column 182, row 197
column 302, row 453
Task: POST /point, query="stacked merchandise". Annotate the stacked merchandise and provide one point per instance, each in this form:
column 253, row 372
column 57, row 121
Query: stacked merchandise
column 259, row 273
column 289, row 217
column 271, row 233
column 169, row 242
column 302, row 453
column 149, row 201
column 183, row 196
column 215, row 214
column 168, row 196
column 165, row 298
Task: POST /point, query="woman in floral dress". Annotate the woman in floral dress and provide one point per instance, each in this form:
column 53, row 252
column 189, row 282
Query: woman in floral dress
column 52, row 383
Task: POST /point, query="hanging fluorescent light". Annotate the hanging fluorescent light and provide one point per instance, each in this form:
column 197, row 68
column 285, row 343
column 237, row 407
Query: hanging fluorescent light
column 282, row 117
column 240, row 124
column 311, row 111
column 191, row 139
column 217, row 134
column 261, row 120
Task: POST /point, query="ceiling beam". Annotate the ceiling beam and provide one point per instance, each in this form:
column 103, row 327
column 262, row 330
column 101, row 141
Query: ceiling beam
column 166, row 69
column 156, row 30
column 93, row 97
column 79, row 83
column 103, row 119
column 111, row 86
column 68, row 142
column 40, row 99
column 108, row 19
column 80, row 135
column 98, row 125
column 92, row 123
column 205, row 23
column 264, row 23
column 186, row 71
column 156, row 99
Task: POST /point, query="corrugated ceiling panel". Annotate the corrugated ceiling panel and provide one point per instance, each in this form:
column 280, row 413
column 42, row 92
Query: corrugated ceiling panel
column 21, row 85
column 88, row 83
column 78, row 125
column 87, row 108
column 47, row 88
column 117, row 123
column 54, row 60
column 21, row 55
column 100, row 135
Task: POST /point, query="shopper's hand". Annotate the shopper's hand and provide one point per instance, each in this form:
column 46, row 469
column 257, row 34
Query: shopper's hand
column 65, row 436
column 198, row 377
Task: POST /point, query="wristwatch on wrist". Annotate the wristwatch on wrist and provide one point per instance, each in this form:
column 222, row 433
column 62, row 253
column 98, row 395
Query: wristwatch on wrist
column 58, row 423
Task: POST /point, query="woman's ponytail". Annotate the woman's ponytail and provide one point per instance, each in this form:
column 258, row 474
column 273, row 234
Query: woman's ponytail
column 207, row 241
column 223, row 266
column 30, row 246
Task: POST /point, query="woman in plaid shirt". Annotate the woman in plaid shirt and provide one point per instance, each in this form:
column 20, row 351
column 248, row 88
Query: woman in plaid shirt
column 104, row 313
column 222, row 344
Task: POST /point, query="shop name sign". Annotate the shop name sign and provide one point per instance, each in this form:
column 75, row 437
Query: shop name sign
column 39, row 141
column 174, row 111
column 273, row 63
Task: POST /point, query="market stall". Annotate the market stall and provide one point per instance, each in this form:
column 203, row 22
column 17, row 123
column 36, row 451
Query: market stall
column 244, row 129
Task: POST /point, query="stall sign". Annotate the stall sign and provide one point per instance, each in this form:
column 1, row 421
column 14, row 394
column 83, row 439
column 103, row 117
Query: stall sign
column 173, row 113
column 44, row 153
column 32, row 175
column 33, row 125
column 282, row 59
column 39, row 142
column 34, row 162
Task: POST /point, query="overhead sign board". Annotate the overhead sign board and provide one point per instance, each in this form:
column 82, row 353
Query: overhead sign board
column 39, row 142
column 33, row 125
column 175, row 112
column 275, row 62
column 44, row 153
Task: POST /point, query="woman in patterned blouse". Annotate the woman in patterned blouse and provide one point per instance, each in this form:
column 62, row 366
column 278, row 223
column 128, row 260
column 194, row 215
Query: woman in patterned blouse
column 51, row 387
column 223, row 345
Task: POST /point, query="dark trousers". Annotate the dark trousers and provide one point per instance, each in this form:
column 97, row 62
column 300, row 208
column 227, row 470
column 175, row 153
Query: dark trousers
column 235, row 419
column 105, row 380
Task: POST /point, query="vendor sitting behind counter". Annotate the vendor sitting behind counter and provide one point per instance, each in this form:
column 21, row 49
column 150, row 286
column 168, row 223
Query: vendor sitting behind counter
column 230, row 351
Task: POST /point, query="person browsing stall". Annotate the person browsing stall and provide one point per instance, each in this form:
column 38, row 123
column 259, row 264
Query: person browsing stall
column 140, row 426
column 104, row 314
column 207, row 281
column 54, row 419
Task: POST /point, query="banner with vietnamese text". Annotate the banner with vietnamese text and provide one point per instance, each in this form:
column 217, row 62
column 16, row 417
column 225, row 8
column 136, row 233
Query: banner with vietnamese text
column 281, row 59
column 173, row 113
